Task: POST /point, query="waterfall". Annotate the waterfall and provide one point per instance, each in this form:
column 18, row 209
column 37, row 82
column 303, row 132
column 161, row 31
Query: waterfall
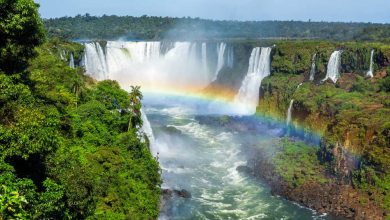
column 71, row 61
column 204, row 57
column 333, row 70
column 247, row 98
column 313, row 67
column 151, row 65
column 370, row 73
column 95, row 61
column 230, row 57
column 221, row 58
column 288, row 120
column 147, row 128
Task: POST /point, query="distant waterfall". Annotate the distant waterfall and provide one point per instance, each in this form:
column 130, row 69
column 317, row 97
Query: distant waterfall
column 204, row 57
column 152, row 65
column 313, row 67
column 333, row 70
column 288, row 120
column 221, row 58
column 370, row 73
column 230, row 57
column 247, row 98
column 71, row 61
column 147, row 129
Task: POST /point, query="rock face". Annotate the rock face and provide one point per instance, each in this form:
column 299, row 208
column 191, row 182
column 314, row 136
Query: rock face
column 335, row 198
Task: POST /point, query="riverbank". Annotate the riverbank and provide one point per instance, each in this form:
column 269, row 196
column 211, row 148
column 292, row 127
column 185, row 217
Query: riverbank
column 294, row 172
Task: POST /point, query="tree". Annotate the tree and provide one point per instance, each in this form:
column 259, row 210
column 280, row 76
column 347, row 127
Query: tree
column 135, row 105
column 21, row 29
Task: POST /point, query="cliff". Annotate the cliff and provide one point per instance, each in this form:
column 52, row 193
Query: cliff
column 352, row 116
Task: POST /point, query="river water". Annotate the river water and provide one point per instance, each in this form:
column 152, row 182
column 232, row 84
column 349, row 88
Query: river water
column 201, row 157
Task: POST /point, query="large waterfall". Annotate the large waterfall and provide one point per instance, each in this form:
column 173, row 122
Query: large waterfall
column 313, row 67
column 152, row 65
column 370, row 73
column 333, row 70
column 247, row 98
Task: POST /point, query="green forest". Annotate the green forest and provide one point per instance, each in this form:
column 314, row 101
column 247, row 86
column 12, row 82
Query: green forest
column 113, row 27
column 70, row 148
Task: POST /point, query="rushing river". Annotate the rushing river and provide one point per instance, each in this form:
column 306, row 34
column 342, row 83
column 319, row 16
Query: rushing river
column 202, row 158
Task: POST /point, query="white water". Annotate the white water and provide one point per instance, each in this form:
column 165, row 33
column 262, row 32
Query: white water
column 221, row 59
column 247, row 98
column 71, row 61
column 204, row 57
column 288, row 120
column 333, row 70
column 230, row 57
column 147, row 129
column 313, row 67
column 142, row 63
column 196, row 156
column 370, row 73
column 95, row 61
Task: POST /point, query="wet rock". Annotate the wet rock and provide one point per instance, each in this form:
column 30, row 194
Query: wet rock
column 169, row 193
column 245, row 169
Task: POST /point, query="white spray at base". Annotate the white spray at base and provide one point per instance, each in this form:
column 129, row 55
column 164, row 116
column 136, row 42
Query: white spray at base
column 370, row 73
column 313, row 67
column 333, row 70
column 247, row 98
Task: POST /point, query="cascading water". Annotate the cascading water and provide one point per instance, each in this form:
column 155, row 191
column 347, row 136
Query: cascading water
column 95, row 61
column 313, row 67
column 204, row 57
column 221, row 59
column 247, row 98
column 71, row 61
column 143, row 63
column 190, row 148
column 230, row 57
column 333, row 70
column 370, row 73
column 147, row 129
column 288, row 120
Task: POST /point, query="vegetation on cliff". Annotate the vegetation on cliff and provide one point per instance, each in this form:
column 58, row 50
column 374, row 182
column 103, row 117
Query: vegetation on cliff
column 352, row 116
column 66, row 147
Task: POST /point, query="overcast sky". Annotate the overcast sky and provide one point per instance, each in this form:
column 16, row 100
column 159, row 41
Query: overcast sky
column 377, row 11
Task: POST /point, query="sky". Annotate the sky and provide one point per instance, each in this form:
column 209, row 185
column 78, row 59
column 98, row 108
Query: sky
column 376, row 11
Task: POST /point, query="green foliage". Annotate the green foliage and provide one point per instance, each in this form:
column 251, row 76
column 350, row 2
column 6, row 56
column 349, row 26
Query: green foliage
column 112, row 27
column 21, row 29
column 85, row 160
column 12, row 204
column 377, row 184
column 385, row 84
column 297, row 163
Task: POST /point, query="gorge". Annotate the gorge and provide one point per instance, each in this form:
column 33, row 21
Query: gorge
column 174, row 75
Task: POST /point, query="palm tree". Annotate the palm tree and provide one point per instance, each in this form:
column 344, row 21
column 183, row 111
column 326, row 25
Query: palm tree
column 135, row 105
